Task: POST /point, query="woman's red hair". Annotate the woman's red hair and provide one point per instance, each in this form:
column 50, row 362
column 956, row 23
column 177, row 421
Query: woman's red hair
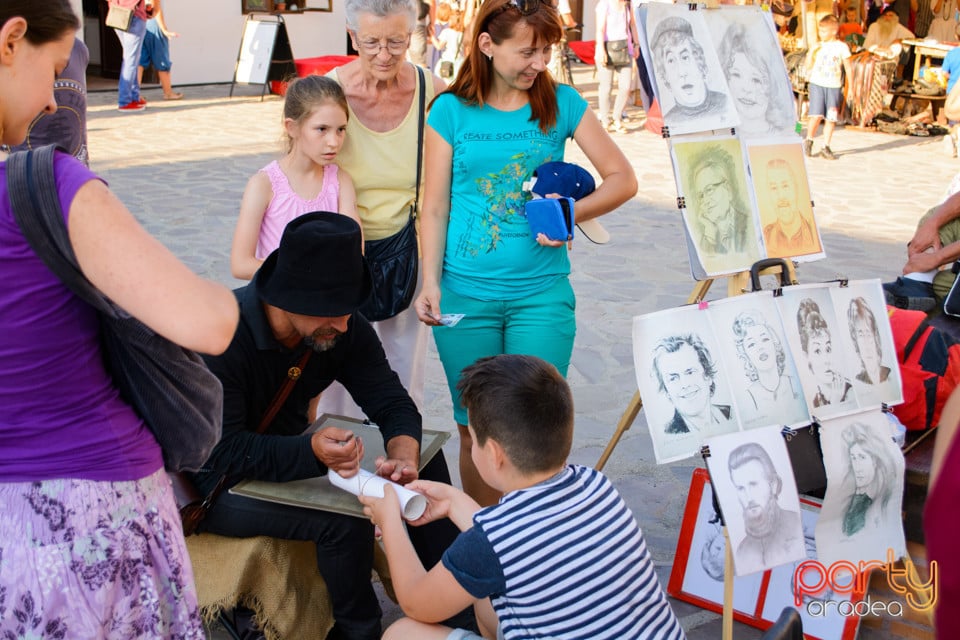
column 499, row 19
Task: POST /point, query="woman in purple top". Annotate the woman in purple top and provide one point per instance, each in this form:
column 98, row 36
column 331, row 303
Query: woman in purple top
column 90, row 538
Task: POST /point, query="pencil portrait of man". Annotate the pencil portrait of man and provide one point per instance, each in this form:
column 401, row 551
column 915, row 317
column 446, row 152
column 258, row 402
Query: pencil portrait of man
column 690, row 85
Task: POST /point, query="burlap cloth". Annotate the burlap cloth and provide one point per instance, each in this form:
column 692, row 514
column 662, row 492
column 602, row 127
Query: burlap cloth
column 277, row 579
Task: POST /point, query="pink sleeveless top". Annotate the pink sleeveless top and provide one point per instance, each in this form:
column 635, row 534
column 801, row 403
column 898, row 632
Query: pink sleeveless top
column 287, row 205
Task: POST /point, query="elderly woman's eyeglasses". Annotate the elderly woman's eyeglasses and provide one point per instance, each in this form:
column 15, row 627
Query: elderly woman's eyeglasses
column 373, row 47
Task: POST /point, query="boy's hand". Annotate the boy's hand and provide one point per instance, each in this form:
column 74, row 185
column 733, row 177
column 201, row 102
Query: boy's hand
column 445, row 501
column 438, row 496
column 383, row 512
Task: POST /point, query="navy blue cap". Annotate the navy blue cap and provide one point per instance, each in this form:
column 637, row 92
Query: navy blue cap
column 564, row 179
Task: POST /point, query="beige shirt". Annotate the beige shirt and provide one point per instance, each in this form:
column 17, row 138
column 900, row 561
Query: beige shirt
column 383, row 168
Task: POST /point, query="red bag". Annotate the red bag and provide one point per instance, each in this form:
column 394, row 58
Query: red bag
column 929, row 367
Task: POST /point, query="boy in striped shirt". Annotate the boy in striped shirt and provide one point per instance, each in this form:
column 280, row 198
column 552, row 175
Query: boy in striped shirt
column 560, row 556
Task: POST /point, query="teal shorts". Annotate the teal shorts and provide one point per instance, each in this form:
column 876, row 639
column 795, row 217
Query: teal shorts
column 541, row 325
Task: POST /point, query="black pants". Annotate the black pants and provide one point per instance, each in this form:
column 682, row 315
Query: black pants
column 344, row 547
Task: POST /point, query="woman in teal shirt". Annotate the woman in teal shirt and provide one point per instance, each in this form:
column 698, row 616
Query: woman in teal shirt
column 502, row 117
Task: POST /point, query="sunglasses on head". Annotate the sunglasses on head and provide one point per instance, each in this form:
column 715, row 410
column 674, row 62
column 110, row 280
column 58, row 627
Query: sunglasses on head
column 525, row 7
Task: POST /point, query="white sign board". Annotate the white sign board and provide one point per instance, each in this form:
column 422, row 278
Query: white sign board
column 256, row 51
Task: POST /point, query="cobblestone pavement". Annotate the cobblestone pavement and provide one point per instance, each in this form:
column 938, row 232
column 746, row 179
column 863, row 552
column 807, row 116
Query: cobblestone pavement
column 181, row 168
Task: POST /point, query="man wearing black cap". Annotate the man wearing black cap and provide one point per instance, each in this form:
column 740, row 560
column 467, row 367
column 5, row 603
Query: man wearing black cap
column 304, row 299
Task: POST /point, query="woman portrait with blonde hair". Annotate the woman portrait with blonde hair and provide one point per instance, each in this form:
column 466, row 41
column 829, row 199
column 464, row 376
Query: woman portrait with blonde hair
column 870, row 479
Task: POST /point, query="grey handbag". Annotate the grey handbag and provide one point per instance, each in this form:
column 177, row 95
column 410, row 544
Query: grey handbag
column 178, row 397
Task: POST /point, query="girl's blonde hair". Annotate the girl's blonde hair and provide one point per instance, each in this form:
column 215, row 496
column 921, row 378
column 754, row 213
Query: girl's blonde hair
column 306, row 94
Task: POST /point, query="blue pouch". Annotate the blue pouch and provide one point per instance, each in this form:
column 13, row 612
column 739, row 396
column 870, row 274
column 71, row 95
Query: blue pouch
column 553, row 217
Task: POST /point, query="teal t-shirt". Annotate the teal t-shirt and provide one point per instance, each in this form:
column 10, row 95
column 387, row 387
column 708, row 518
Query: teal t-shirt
column 490, row 253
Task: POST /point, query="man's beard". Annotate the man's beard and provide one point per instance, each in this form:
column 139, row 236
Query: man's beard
column 762, row 524
column 885, row 28
column 321, row 345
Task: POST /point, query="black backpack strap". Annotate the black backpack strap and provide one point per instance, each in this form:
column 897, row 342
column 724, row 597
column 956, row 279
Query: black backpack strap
column 912, row 342
column 36, row 208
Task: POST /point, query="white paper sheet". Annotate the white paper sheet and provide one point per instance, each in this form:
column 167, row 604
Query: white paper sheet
column 365, row 483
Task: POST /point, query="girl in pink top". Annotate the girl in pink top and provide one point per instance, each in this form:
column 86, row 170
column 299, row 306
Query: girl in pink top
column 306, row 179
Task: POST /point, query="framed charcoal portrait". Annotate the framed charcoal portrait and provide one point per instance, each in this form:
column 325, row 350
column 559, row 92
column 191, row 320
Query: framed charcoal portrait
column 820, row 621
column 251, row 6
column 758, row 598
column 318, row 5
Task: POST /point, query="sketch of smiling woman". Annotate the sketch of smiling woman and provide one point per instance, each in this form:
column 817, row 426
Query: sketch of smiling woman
column 764, row 362
column 751, row 84
column 832, row 385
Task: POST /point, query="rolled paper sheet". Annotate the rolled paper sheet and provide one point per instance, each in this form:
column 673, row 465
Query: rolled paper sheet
column 412, row 504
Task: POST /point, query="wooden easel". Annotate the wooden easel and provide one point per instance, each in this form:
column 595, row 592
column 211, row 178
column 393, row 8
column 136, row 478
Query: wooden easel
column 736, row 284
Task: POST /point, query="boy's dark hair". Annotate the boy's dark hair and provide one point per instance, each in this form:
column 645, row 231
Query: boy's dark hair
column 524, row 404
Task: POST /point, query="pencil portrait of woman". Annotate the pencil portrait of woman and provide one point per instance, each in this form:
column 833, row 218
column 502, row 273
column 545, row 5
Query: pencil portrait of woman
column 832, row 387
column 773, row 392
column 874, row 377
column 753, row 66
column 870, row 479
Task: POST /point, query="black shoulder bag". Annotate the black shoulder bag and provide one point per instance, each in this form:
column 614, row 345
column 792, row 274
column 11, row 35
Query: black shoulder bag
column 395, row 261
column 170, row 387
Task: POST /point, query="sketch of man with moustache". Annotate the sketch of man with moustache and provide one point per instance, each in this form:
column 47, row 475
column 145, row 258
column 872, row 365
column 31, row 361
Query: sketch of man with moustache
column 790, row 234
column 774, row 535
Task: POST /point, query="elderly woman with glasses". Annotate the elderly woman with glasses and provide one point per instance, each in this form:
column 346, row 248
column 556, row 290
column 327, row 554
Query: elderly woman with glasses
column 380, row 154
column 499, row 120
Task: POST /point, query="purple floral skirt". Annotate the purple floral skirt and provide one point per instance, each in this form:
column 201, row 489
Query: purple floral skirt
column 87, row 559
